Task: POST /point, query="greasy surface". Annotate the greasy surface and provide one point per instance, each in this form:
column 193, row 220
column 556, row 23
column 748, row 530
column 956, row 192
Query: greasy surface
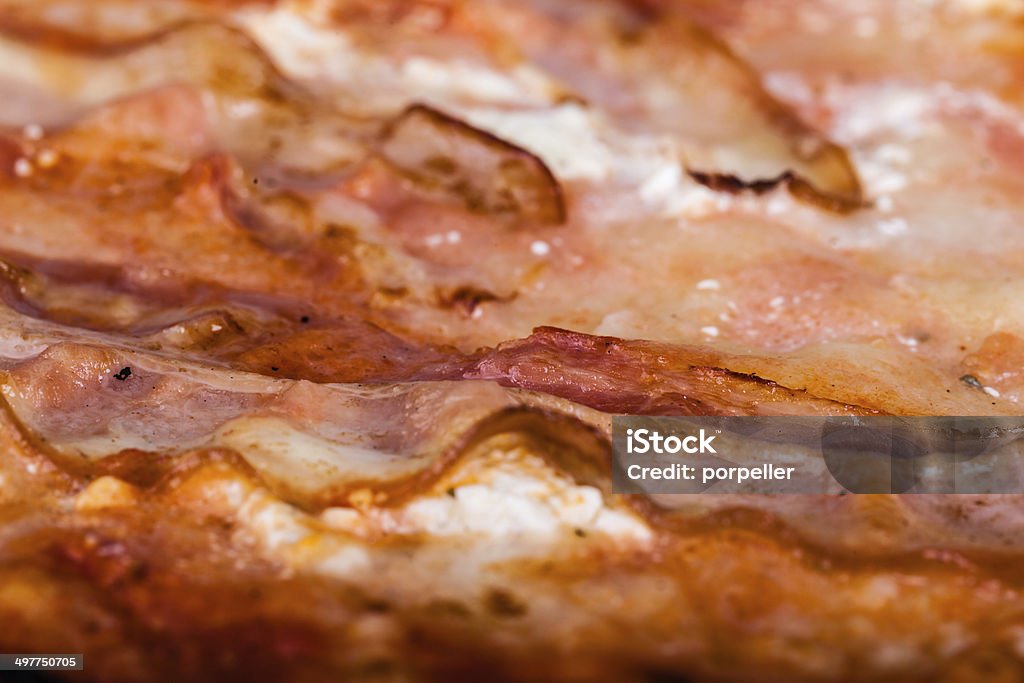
column 314, row 314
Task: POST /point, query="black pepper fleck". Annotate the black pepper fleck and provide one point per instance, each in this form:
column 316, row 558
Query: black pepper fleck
column 123, row 374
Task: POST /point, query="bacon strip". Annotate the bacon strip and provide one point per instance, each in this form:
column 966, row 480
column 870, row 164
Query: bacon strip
column 259, row 113
column 85, row 405
column 618, row 376
column 660, row 71
column 491, row 175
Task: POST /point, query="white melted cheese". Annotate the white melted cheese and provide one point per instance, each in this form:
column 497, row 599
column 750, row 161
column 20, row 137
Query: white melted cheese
column 307, row 51
column 474, row 82
column 580, row 145
column 504, row 495
column 515, row 493
column 566, row 137
column 297, row 47
column 886, row 128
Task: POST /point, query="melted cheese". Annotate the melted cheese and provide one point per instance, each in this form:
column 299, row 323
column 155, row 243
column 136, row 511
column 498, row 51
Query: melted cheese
column 512, row 495
column 317, row 54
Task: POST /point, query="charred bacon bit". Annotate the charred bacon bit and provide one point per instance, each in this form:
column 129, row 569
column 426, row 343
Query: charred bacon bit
column 723, row 182
column 797, row 186
column 490, row 175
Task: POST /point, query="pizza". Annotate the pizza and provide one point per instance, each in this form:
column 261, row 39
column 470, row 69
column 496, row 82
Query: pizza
column 316, row 313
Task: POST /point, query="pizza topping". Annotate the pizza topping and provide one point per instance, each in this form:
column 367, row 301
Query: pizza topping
column 675, row 77
column 259, row 114
column 796, row 185
column 490, row 175
column 757, row 130
column 267, row 377
column 618, row 376
column 730, row 183
column 346, row 351
column 315, row 444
